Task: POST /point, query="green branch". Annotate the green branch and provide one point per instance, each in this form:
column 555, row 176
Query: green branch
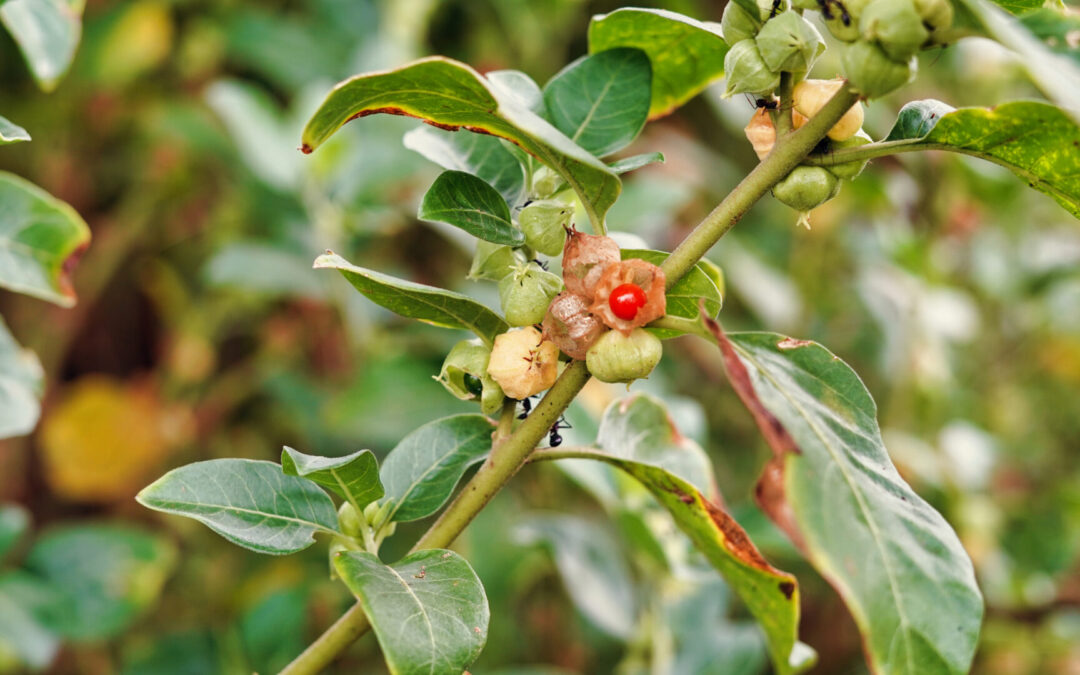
column 514, row 451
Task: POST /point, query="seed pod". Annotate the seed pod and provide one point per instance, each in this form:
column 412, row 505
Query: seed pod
column 895, row 26
column 746, row 71
column 350, row 522
column 526, row 293
column 624, row 358
column 789, row 43
column 871, row 72
column 465, row 370
column 936, row 14
column 545, row 182
column 493, row 262
column 584, row 260
column 810, row 96
column 523, row 363
column 647, row 277
column 571, row 326
column 806, row 188
column 544, row 224
column 849, row 170
column 843, row 19
column 737, row 24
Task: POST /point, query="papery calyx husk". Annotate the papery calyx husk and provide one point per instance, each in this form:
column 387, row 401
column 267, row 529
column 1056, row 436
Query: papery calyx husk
column 571, row 326
column 616, row 357
column 895, row 26
column 584, row 260
column 646, row 276
column 936, row 14
column 761, row 133
column 746, row 71
column 544, row 223
column 871, row 72
column 806, row 188
column 523, row 363
column 494, row 261
column 790, row 43
column 737, row 24
column 526, row 292
column 810, row 96
column 546, row 182
column 469, row 359
column 842, row 18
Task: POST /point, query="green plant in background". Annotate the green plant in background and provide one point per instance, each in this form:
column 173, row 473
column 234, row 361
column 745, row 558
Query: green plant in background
column 830, row 486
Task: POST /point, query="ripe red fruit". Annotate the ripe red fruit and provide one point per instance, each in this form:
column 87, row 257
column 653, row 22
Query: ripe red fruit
column 626, row 300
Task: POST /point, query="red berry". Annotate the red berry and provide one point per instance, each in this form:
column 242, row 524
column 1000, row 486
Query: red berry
column 626, row 300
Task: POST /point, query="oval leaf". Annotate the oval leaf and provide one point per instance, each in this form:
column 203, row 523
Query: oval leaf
column 39, row 239
column 686, row 55
column 463, row 200
column 601, row 101
column 417, row 301
column 428, row 610
column 831, row 486
column 452, row 95
column 422, row 471
column 478, row 154
column 354, row 477
column 47, row 32
column 249, row 502
column 21, row 383
column 11, row 132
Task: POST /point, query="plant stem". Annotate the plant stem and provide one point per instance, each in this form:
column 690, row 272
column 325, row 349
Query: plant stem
column 510, row 455
column 782, row 119
column 506, row 422
column 679, row 323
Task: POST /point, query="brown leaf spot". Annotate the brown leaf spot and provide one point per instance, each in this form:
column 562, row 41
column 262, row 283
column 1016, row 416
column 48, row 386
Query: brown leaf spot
column 787, row 588
column 735, row 537
column 792, row 343
column 67, row 268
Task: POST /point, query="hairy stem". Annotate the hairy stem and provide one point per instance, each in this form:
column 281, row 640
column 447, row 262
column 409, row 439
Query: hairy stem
column 510, row 455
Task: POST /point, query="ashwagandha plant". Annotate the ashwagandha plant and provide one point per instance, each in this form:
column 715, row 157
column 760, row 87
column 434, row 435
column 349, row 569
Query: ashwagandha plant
column 527, row 168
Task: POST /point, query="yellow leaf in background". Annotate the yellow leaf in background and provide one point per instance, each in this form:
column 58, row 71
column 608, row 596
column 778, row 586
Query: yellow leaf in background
column 139, row 40
column 107, row 438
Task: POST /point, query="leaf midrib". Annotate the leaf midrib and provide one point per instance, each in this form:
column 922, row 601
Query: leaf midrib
column 240, row 509
column 423, row 613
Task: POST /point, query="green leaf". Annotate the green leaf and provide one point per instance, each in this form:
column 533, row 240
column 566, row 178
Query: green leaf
column 478, row 154
column 254, row 121
column 635, row 162
column 1036, row 141
column 601, row 101
column 40, row 237
column 686, row 55
column 104, row 575
column 47, row 32
column 354, row 477
column 1056, row 29
column 421, row 472
column 249, row 502
column 463, row 200
column 452, row 95
column 417, row 301
column 833, row 489
column 1019, row 6
column 11, row 132
column 684, row 298
column 24, row 637
column 21, row 384
column 14, row 522
column 520, row 88
column 428, row 610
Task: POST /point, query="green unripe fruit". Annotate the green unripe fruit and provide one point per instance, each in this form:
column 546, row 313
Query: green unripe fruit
column 493, row 261
column 464, row 374
column 872, row 73
column 895, row 26
column 546, row 182
column 615, row 357
column 844, row 21
column 746, row 71
column 737, row 24
column 544, row 224
column 526, row 293
column 849, row 170
column 789, row 43
column 936, row 14
column 350, row 522
column 806, row 188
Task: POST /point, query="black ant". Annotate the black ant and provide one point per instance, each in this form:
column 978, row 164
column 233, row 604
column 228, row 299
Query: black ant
column 543, row 265
column 775, row 8
column 526, row 405
column 554, row 438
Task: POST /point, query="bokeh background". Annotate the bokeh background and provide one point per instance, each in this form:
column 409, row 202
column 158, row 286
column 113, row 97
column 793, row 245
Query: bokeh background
column 202, row 331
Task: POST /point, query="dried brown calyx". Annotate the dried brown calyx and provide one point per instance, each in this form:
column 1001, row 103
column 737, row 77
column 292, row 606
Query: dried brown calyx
column 584, row 260
column 571, row 326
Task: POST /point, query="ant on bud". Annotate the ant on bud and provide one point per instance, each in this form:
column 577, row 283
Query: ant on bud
column 543, row 265
column 526, row 406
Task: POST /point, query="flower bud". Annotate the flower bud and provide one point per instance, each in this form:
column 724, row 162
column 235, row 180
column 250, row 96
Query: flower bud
column 849, row 170
column 526, row 293
column 350, row 522
column 584, row 260
column 842, row 19
column 523, row 363
column 464, row 374
column 895, row 26
column 746, row 71
column 624, row 358
column 806, row 188
column 789, row 43
column 648, row 302
column 871, row 72
column 493, row 262
column 810, row 96
column 544, row 224
column 936, row 14
column 546, row 182
column 571, row 326
column 737, row 24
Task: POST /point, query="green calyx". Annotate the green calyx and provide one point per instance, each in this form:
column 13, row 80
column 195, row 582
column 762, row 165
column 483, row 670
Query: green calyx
column 849, row 170
column 465, row 367
column 896, row 26
column 546, row 182
column 843, row 18
column 806, row 188
column 737, row 24
column 544, row 223
column 615, row 357
column 789, row 43
column 747, row 72
column 936, row 14
column 350, row 522
column 493, row 261
column 871, row 72
column 526, row 293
